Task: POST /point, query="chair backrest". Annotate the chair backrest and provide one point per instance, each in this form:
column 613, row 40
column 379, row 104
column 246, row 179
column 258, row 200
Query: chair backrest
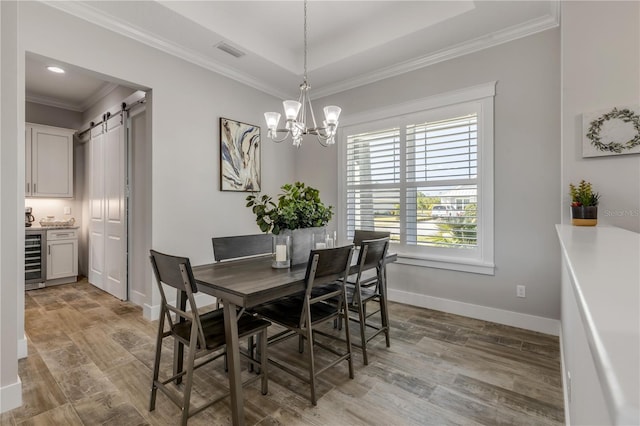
column 176, row 272
column 169, row 269
column 372, row 253
column 328, row 265
column 360, row 235
column 225, row 248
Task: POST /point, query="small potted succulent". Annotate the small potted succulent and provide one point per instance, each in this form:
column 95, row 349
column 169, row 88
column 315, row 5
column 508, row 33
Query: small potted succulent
column 299, row 212
column 584, row 204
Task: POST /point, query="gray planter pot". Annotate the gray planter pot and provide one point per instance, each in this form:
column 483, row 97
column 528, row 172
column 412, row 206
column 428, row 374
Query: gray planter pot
column 301, row 242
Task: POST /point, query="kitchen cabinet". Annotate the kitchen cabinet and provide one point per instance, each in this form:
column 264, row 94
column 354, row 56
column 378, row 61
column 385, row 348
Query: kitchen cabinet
column 62, row 255
column 48, row 161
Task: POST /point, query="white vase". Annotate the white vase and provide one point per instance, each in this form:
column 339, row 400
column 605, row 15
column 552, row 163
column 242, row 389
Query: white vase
column 301, row 243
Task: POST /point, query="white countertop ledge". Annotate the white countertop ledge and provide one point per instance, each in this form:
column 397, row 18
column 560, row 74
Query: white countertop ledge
column 604, row 267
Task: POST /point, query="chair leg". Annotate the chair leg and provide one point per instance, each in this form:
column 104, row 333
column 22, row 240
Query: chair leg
column 363, row 338
column 384, row 309
column 300, row 344
column 264, row 360
column 312, row 366
column 156, row 363
column 345, row 311
column 186, row 398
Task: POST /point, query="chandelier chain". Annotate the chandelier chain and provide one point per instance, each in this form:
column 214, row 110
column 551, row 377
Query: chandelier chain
column 305, row 41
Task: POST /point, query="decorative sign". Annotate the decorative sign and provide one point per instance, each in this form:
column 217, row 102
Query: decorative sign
column 613, row 131
column 239, row 156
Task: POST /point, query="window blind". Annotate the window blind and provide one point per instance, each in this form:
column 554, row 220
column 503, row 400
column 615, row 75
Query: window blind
column 416, row 181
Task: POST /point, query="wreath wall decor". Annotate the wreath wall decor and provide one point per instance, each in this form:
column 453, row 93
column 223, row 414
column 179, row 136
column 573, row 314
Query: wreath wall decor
column 613, row 131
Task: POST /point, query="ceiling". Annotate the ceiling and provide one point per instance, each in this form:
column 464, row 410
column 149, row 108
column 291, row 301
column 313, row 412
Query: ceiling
column 350, row 43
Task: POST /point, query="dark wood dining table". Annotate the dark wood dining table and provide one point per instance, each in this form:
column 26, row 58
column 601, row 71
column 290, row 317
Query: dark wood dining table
column 243, row 284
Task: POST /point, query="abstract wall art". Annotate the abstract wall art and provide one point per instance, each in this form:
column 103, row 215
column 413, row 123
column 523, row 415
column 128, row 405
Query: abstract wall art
column 239, row 156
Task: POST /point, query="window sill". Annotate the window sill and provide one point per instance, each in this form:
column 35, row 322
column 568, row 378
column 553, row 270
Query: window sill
column 460, row 265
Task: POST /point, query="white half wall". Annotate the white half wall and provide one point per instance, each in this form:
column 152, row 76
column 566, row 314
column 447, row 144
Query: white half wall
column 600, row 70
column 527, row 173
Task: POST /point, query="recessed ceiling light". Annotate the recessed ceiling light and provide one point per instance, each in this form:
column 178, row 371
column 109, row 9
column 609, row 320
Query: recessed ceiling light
column 57, row 70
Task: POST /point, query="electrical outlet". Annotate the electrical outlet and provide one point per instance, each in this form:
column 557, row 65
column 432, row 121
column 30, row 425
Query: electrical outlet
column 67, row 210
column 521, row 291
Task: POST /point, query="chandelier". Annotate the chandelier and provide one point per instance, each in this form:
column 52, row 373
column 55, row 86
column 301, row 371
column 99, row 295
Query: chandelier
column 296, row 113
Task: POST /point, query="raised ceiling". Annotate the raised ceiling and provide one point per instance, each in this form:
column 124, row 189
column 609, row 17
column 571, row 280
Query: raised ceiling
column 351, row 43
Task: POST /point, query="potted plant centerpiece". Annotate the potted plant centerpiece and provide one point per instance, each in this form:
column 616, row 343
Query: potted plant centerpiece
column 584, row 204
column 299, row 212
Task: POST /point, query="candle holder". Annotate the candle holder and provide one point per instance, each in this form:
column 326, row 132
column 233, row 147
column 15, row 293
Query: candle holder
column 281, row 251
column 319, row 239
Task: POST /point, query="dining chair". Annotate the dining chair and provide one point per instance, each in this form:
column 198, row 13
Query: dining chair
column 370, row 257
column 300, row 316
column 202, row 334
column 235, row 247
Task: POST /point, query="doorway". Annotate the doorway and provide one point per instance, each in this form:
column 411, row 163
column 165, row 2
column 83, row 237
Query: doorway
column 60, row 102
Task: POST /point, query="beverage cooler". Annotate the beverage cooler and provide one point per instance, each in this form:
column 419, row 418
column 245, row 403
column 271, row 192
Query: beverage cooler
column 34, row 258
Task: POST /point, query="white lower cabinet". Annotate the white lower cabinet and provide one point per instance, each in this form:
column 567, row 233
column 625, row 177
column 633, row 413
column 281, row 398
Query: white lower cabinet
column 62, row 254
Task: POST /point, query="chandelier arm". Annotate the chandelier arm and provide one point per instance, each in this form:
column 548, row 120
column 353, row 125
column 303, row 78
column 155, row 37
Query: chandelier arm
column 275, row 139
column 322, row 141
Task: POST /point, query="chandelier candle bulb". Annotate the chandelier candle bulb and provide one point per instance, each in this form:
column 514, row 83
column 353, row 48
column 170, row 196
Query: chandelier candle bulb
column 331, row 114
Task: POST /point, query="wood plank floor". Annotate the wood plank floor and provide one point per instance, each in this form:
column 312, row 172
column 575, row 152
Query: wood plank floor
column 90, row 359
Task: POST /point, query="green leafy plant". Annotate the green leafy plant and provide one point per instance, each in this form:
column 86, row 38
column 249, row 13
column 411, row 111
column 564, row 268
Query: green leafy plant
column 583, row 195
column 298, row 206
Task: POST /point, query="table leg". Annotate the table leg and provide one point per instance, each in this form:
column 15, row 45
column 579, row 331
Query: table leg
column 233, row 359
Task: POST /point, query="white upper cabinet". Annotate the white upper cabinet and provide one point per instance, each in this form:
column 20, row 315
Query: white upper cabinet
column 49, row 161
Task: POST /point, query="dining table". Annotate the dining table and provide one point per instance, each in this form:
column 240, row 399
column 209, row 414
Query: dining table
column 245, row 283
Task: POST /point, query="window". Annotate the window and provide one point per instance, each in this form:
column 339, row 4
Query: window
column 424, row 172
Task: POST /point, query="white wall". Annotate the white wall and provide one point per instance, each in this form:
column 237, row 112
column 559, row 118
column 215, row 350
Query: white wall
column 600, row 70
column 52, row 116
column 111, row 99
column 12, row 192
column 527, row 172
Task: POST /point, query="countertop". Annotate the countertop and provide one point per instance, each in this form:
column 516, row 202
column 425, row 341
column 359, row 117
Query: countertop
column 604, row 267
column 49, row 228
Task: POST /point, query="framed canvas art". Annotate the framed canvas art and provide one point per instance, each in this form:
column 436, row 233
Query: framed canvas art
column 239, row 156
column 614, row 131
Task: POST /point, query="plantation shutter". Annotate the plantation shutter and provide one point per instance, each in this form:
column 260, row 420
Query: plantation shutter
column 373, row 177
column 416, row 181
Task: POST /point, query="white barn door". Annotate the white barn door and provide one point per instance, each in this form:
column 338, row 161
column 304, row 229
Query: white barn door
column 108, row 211
column 115, row 153
column 96, row 207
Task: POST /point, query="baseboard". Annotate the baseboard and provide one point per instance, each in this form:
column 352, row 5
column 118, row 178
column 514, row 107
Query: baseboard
column 152, row 312
column 565, row 385
column 22, row 347
column 500, row 316
column 11, row 396
column 137, row 298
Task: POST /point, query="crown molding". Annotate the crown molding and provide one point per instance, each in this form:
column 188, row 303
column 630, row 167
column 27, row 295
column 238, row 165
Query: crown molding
column 52, row 102
column 104, row 91
column 91, row 14
column 474, row 45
